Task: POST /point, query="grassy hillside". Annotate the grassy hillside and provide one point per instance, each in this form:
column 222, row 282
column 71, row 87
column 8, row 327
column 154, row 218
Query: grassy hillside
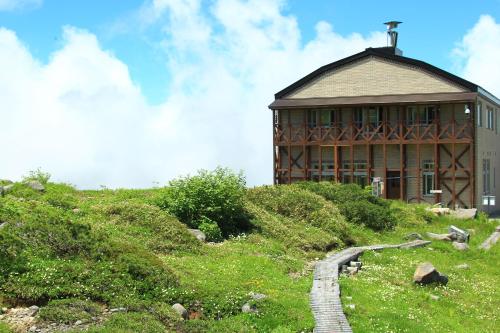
column 76, row 253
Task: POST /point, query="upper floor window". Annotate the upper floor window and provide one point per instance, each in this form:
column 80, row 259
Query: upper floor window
column 327, row 117
column 479, row 114
column 489, row 120
column 423, row 115
column 357, row 117
column 312, row 118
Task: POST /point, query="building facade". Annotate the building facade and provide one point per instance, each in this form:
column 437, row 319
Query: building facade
column 425, row 134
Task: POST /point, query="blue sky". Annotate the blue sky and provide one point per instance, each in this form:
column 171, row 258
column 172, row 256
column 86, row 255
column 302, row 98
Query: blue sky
column 134, row 93
column 429, row 32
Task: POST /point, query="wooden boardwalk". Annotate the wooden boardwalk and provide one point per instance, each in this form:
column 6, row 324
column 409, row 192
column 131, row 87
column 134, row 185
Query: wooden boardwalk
column 325, row 292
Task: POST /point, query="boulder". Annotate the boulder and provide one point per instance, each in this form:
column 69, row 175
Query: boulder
column 464, row 213
column 180, row 310
column 462, row 266
column 198, row 234
column 460, row 246
column 459, row 234
column 444, row 237
column 257, row 296
column 352, row 270
column 434, row 297
column 6, row 189
column 413, row 236
column 439, row 211
column 35, row 185
column 356, row 264
column 426, row 273
column 247, row 308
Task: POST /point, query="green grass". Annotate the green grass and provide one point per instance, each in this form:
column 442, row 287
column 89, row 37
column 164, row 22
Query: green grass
column 70, row 251
column 387, row 300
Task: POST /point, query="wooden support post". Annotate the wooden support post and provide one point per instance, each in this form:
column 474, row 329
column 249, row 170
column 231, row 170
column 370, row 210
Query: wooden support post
column 384, row 150
column 305, row 167
column 453, row 159
column 336, row 162
column 437, row 156
column 472, row 159
column 402, row 158
column 351, row 158
column 320, row 165
column 289, row 148
column 419, row 173
column 369, row 163
column 274, row 149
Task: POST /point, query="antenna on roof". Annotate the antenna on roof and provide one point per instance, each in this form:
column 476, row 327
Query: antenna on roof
column 393, row 35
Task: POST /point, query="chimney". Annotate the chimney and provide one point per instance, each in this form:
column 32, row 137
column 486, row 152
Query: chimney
column 392, row 35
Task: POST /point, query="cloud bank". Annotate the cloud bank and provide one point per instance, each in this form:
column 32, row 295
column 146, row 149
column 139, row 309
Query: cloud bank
column 81, row 117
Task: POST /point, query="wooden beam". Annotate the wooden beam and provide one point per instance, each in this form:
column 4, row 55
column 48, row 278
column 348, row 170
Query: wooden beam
column 384, row 149
column 289, row 149
column 454, row 162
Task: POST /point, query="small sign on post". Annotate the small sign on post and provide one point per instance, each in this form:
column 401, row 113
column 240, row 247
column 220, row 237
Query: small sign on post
column 436, row 191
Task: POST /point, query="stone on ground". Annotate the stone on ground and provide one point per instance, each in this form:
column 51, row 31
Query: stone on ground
column 413, row 236
column 490, row 241
column 463, row 213
column 462, row 266
column 460, row 246
column 444, row 237
column 180, row 310
column 257, row 296
column 198, row 234
column 35, row 185
column 459, row 234
column 426, row 273
column 247, row 308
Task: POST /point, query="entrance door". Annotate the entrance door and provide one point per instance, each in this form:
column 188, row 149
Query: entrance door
column 393, row 184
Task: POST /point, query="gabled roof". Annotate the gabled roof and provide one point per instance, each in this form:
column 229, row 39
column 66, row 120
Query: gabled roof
column 382, row 52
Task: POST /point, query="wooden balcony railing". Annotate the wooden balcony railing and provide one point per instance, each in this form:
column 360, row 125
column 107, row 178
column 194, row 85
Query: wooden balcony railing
column 381, row 132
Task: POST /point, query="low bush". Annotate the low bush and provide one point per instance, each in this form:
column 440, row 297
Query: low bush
column 217, row 195
column 211, row 230
column 296, row 203
column 145, row 223
column 358, row 205
column 46, row 253
column 69, row 310
column 130, row 323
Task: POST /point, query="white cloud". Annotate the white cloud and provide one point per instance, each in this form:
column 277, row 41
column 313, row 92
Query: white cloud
column 81, row 117
column 478, row 54
column 8, row 5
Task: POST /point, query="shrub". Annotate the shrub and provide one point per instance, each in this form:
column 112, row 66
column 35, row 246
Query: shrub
column 148, row 224
column 210, row 229
column 68, row 311
column 355, row 203
column 37, row 175
column 217, row 195
column 303, row 207
column 129, row 323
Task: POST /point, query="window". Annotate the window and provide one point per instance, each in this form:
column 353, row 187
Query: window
column 374, row 116
column 486, row 176
column 411, row 115
column 427, row 115
column 357, row 164
column 428, row 177
column 489, row 119
column 312, row 117
column 327, row 117
column 479, row 115
column 358, row 117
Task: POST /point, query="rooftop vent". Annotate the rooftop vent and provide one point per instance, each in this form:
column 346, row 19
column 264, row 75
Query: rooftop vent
column 392, row 35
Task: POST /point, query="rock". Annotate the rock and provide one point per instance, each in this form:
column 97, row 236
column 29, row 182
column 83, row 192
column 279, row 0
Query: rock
column 439, row 210
column 35, row 185
column 413, row 236
column 459, row 234
column 444, row 237
column 78, row 322
column 6, row 189
column 76, row 210
column 434, row 297
column 118, row 310
column 426, row 273
column 247, row 308
column 32, row 329
column 356, row 264
column 256, row 296
column 344, row 269
column 462, row 266
column 352, row 270
column 33, row 310
column 460, row 246
column 491, row 240
column 464, row 213
column 180, row 310
column 198, row 234
column 4, row 310
column 2, row 224
column 351, row 306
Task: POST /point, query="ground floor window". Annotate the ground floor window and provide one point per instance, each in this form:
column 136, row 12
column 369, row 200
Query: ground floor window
column 428, row 183
column 486, row 176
